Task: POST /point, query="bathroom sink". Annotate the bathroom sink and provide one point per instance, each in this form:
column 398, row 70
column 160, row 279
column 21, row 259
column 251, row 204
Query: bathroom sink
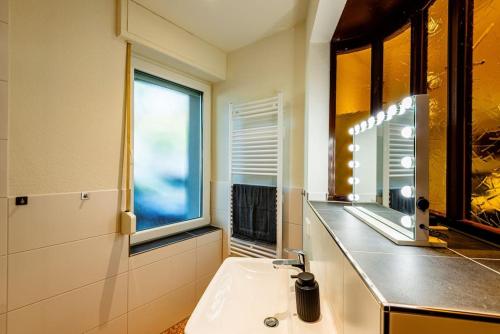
column 243, row 293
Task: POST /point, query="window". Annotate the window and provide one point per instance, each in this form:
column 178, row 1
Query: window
column 168, row 153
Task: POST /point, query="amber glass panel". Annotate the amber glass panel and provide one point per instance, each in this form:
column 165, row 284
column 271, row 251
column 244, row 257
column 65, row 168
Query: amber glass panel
column 353, row 105
column 437, row 90
column 396, row 67
column 485, row 187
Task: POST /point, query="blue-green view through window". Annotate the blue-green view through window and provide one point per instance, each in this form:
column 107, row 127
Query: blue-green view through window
column 167, row 152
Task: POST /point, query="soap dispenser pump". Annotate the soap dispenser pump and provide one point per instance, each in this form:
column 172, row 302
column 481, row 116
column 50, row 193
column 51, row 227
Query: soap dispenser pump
column 307, row 297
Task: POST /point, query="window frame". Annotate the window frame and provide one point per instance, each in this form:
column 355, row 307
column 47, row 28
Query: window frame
column 161, row 71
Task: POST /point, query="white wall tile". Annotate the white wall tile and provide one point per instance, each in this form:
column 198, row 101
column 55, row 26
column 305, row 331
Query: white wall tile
column 4, row 10
column 45, row 272
column 164, row 312
column 220, row 219
column 77, row 311
column 154, row 255
column 3, row 284
column 3, row 226
column 3, row 168
column 220, row 195
column 115, row 326
column 3, row 323
column 54, row 219
column 292, row 237
column 202, row 284
column 292, row 206
column 4, row 54
column 208, row 238
column 208, row 257
column 152, row 281
column 4, row 120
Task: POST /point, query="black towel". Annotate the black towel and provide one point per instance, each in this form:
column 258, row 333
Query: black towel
column 254, row 212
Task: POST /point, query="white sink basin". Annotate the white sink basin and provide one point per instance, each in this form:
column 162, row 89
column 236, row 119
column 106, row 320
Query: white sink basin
column 243, row 293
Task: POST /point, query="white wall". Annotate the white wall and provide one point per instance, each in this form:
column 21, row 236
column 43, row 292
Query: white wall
column 321, row 22
column 4, row 85
column 66, row 266
column 260, row 70
column 169, row 43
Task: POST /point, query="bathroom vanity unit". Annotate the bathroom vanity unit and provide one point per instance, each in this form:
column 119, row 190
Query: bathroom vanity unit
column 374, row 286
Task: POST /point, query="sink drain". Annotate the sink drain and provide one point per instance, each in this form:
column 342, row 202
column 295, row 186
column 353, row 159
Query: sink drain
column 271, row 322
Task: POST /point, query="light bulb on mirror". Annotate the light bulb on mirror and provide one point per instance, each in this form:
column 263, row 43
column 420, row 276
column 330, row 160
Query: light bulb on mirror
column 353, row 197
column 353, row 164
column 407, row 191
column 407, row 132
column 371, row 122
column 353, row 148
column 407, row 103
column 364, row 126
column 353, row 180
column 357, row 128
column 407, row 221
column 380, row 117
column 351, row 131
column 392, row 111
column 407, row 162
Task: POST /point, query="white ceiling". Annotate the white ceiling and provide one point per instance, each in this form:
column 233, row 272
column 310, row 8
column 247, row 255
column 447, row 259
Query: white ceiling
column 230, row 24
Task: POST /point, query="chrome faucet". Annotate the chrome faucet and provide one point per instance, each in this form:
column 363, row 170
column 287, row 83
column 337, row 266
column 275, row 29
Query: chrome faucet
column 300, row 262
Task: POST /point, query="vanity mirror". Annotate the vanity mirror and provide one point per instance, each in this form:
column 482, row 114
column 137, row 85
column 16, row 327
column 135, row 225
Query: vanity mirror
column 390, row 172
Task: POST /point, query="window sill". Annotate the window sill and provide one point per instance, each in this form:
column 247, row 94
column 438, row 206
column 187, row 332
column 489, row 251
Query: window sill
column 171, row 239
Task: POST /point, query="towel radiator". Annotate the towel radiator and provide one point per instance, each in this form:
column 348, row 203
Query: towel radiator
column 256, row 157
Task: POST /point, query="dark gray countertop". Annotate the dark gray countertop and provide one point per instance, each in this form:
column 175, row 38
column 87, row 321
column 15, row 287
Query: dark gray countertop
column 465, row 277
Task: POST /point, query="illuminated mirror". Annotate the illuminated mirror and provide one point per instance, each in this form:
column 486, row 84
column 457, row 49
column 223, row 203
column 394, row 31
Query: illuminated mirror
column 390, row 172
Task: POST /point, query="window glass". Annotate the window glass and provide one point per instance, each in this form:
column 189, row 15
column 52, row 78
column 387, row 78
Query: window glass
column 485, row 187
column 437, row 79
column 167, row 152
column 352, row 106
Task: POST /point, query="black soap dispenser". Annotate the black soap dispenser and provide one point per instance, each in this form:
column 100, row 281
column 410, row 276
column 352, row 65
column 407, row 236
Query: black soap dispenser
column 307, row 297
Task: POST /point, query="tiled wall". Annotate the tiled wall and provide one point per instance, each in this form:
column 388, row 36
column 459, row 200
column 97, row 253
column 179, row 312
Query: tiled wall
column 4, row 25
column 68, row 270
column 292, row 215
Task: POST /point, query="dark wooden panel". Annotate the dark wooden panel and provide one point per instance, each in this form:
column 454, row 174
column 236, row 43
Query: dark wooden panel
column 377, row 76
column 363, row 21
column 418, row 66
column 331, row 122
column 459, row 109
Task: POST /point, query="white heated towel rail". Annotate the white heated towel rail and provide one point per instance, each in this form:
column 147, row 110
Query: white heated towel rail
column 256, row 157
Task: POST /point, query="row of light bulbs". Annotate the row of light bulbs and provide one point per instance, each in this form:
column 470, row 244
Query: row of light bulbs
column 393, row 110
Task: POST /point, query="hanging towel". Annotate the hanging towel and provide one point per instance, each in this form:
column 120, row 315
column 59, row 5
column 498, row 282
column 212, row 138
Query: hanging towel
column 254, row 212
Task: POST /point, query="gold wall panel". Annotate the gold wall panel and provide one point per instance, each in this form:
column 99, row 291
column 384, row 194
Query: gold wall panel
column 485, row 188
column 352, row 106
column 437, row 60
column 396, row 68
